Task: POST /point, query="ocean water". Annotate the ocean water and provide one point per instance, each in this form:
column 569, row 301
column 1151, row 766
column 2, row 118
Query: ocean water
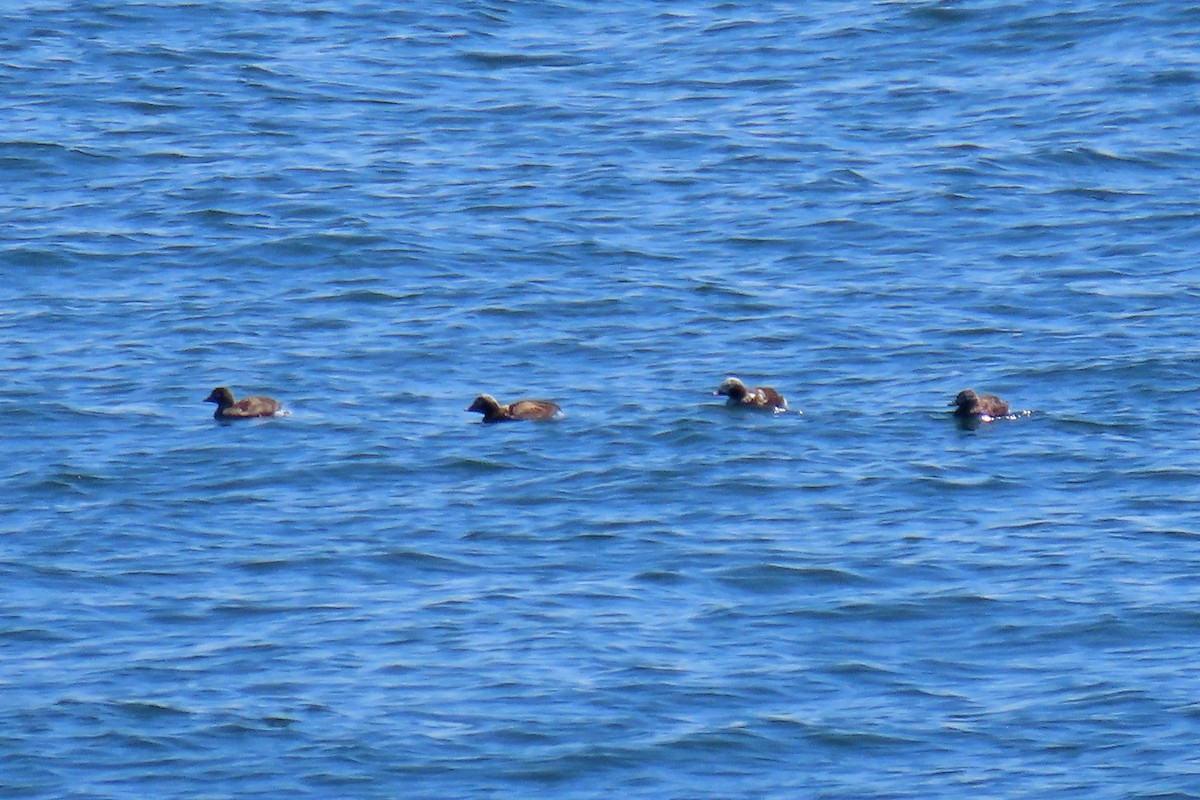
column 374, row 213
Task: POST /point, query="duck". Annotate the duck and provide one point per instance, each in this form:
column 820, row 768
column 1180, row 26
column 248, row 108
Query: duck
column 985, row 407
column 521, row 410
column 246, row 408
column 741, row 396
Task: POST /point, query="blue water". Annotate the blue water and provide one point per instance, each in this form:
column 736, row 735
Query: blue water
column 375, row 214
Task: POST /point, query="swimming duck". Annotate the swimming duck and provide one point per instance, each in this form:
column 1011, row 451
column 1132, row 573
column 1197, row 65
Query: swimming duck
column 521, row 410
column 985, row 407
column 760, row 397
column 247, row 407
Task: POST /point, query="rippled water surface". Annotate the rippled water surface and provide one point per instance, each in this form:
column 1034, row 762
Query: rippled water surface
column 376, row 213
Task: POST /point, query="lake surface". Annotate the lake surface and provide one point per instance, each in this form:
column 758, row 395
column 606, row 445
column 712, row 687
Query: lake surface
column 375, row 214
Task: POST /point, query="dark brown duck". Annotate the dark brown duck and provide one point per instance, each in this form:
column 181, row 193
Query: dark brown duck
column 521, row 410
column 246, row 408
column 968, row 404
column 740, row 395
